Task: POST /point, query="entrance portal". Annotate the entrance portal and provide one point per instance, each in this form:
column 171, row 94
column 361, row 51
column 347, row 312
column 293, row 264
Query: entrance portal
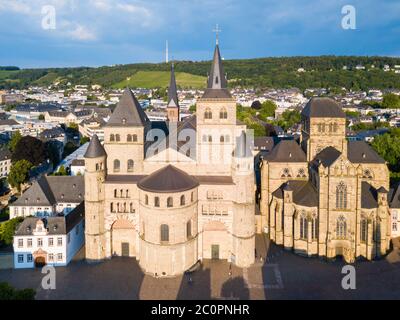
column 215, row 251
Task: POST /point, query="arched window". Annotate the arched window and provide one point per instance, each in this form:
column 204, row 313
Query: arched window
column 335, row 127
column 127, row 193
column 341, row 228
column 303, row 226
column 223, row 114
column 117, row 137
column 189, row 229
column 188, row 153
column 156, row 201
column 112, row 207
column 341, row 196
column 170, row 202
column 314, row 228
column 115, row 193
column 323, row 127
column 112, row 137
column 117, row 165
column 208, row 114
column 222, row 139
column 134, row 137
column 182, row 200
column 129, row 138
column 331, row 127
column 364, row 226
column 146, row 199
column 130, row 165
column 192, row 197
column 164, row 232
column 132, row 210
column 210, row 138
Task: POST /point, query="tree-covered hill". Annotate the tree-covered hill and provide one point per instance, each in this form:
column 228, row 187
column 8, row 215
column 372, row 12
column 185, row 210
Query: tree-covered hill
column 282, row 72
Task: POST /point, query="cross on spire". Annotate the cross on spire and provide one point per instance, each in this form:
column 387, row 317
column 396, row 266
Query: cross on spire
column 217, row 30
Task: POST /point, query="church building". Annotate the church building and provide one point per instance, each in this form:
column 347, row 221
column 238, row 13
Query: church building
column 171, row 193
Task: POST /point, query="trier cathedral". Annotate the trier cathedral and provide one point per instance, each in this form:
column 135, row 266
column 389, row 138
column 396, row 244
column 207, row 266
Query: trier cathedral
column 172, row 192
column 326, row 196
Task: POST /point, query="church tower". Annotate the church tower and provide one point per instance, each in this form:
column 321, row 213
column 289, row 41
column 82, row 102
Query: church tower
column 95, row 174
column 173, row 102
column 323, row 125
column 124, row 136
column 216, row 118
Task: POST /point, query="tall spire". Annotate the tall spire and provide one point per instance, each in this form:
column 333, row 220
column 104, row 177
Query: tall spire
column 172, row 91
column 173, row 102
column 216, row 79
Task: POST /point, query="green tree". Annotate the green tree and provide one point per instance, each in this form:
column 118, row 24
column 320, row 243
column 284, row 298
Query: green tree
column 289, row 119
column 7, row 292
column 391, row 101
column 192, row 108
column 16, row 137
column 84, row 140
column 19, row 173
column 267, row 110
column 388, row 147
column 61, row 171
column 31, row 149
column 41, row 117
column 7, row 230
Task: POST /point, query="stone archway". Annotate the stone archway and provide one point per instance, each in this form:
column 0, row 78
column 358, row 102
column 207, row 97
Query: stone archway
column 40, row 258
column 123, row 238
column 215, row 240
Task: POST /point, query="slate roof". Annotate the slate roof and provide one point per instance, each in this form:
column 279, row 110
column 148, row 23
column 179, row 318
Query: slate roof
column 161, row 144
column 327, row 157
column 168, row 179
column 286, row 151
column 321, row 107
column 304, row 193
column 362, row 152
column 95, row 149
column 368, row 196
column 128, row 112
column 48, row 191
column 217, row 84
column 57, row 225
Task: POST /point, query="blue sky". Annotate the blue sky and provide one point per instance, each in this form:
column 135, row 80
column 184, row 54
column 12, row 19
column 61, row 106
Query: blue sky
column 107, row 32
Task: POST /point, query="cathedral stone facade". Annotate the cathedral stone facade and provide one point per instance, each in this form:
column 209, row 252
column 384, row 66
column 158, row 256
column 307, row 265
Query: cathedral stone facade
column 326, row 196
column 172, row 193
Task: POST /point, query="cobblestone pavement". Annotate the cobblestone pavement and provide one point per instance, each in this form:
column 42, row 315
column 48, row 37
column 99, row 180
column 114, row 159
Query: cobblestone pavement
column 277, row 274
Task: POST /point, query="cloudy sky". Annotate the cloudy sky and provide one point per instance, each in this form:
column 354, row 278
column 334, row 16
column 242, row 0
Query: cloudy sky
column 106, row 32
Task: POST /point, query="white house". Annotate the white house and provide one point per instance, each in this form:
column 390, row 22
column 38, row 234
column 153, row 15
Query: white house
column 394, row 198
column 78, row 167
column 53, row 240
column 49, row 196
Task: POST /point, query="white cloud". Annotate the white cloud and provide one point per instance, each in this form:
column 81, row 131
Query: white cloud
column 81, row 33
column 103, row 5
column 14, row 6
column 133, row 9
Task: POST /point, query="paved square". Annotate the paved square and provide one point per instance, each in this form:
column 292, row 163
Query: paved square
column 277, row 274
